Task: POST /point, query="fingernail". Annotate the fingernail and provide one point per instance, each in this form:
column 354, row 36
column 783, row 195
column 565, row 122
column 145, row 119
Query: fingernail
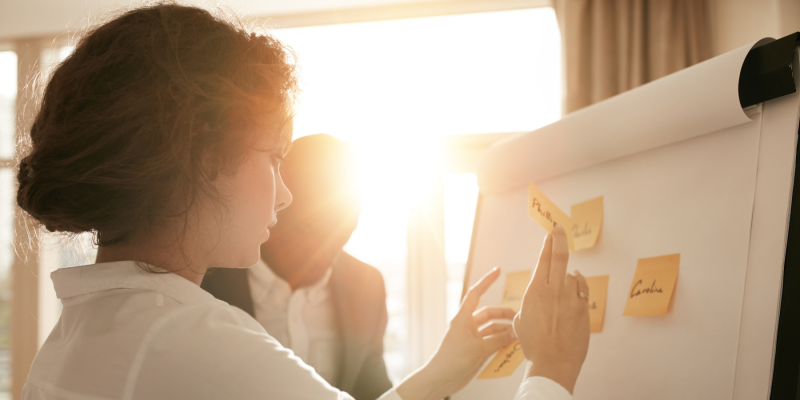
column 577, row 272
column 558, row 227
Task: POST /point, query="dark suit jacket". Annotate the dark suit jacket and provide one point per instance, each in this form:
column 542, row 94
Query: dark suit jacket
column 360, row 302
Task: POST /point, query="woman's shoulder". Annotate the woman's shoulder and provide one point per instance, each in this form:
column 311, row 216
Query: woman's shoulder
column 212, row 318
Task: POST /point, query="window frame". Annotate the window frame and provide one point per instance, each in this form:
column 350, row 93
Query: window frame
column 30, row 269
column 396, row 11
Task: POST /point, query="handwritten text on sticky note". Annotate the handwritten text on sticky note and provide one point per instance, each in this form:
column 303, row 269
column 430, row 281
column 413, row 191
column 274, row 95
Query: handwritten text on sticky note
column 516, row 283
column 652, row 286
column 598, row 292
column 504, row 363
column 587, row 219
column 547, row 214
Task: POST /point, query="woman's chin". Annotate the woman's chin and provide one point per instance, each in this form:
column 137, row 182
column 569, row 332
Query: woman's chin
column 249, row 261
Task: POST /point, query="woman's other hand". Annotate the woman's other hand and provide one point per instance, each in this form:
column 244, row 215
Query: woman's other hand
column 468, row 342
column 553, row 322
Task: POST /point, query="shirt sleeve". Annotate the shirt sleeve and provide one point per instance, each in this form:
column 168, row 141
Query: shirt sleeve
column 390, row 395
column 533, row 388
column 541, row 388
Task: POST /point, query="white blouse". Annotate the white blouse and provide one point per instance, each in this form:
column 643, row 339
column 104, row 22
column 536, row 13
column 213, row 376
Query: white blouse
column 129, row 334
column 302, row 320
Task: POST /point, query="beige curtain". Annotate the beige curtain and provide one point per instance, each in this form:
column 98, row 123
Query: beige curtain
column 611, row 46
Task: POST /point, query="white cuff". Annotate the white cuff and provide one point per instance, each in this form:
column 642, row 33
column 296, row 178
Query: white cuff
column 533, row 388
column 390, row 395
column 541, row 388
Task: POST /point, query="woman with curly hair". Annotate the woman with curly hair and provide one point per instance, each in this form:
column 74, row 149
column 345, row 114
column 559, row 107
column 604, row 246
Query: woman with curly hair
column 162, row 134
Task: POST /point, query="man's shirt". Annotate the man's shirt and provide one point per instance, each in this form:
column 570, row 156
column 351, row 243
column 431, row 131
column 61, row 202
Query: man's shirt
column 303, row 320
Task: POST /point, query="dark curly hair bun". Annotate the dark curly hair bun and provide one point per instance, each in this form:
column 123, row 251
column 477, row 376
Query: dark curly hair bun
column 139, row 120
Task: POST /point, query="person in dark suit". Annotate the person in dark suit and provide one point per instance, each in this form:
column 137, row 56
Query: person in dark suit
column 314, row 298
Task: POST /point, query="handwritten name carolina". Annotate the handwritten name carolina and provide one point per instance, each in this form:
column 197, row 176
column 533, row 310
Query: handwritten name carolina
column 637, row 290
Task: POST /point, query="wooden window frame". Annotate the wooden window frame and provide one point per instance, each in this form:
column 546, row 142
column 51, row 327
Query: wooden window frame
column 397, row 11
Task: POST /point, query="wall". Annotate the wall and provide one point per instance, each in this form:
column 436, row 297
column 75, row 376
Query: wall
column 735, row 23
column 37, row 18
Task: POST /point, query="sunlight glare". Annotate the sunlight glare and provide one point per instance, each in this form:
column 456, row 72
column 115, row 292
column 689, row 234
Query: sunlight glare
column 393, row 89
column 426, row 77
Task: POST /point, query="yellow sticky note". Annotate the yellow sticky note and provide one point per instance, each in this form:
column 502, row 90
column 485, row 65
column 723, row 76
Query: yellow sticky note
column 587, row 219
column 598, row 292
column 504, row 363
column 547, row 214
column 652, row 286
column 516, row 283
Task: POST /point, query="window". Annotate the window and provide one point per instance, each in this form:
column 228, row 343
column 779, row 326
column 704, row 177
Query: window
column 23, row 273
column 8, row 95
column 393, row 89
column 57, row 251
column 460, row 200
column 426, row 77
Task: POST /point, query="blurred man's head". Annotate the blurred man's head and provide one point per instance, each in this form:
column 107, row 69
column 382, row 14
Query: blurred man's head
column 321, row 173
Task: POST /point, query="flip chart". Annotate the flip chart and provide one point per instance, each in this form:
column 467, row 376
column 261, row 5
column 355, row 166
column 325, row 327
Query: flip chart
column 682, row 169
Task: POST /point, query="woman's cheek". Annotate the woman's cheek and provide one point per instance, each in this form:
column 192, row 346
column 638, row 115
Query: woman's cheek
column 254, row 189
column 266, row 191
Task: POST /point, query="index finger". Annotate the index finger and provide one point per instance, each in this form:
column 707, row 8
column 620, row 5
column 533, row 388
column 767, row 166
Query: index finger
column 477, row 290
column 559, row 258
column 542, row 271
